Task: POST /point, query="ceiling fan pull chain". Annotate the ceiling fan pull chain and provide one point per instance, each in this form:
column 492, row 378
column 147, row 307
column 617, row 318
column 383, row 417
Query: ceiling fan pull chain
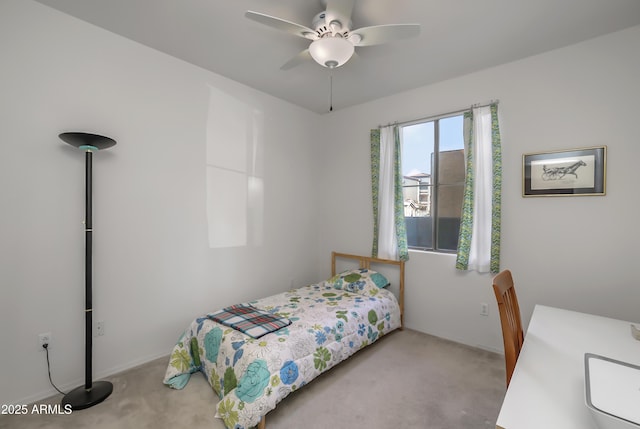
column 330, row 92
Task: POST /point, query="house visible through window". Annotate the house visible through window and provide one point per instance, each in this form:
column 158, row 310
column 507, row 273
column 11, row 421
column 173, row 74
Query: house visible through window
column 433, row 170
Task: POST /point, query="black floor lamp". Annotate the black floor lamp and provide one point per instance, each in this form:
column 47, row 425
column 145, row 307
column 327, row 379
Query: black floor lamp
column 91, row 393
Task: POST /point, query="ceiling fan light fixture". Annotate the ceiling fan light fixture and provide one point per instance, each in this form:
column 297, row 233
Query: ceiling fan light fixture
column 331, row 52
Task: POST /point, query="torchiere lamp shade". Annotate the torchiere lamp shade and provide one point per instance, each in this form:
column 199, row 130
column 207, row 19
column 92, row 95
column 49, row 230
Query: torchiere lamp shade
column 88, row 139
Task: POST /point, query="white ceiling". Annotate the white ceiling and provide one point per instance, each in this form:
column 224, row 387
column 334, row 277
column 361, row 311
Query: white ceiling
column 457, row 37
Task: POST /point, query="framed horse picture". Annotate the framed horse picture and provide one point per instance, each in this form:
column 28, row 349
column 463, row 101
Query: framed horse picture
column 565, row 172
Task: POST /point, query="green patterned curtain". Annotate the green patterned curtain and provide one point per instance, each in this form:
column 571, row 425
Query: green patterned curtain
column 375, row 183
column 389, row 229
column 479, row 240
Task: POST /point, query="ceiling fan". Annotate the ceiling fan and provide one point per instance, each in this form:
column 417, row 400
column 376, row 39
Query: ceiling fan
column 333, row 39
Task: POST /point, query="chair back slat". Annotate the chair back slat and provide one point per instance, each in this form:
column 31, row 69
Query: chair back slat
column 510, row 320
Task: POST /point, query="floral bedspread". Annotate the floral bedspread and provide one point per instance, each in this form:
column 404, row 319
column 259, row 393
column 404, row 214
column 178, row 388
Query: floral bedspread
column 250, row 376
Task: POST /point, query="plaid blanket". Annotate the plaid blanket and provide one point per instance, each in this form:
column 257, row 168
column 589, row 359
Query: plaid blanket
column 249, row 320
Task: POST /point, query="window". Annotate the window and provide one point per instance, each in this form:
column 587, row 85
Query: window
column 433, row 170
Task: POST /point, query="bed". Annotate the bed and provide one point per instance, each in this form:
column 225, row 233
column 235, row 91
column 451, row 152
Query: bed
column 300, row 334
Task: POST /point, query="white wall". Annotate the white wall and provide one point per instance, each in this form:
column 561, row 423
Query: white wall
column 153, row 268
column 573, row 252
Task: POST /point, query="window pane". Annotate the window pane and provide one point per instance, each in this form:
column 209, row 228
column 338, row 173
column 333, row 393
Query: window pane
column 417, row 156
column 419, row 232
column 417, row 214
column 417, row 150
column 451, row 151
column 432, row 207
column 449, row 212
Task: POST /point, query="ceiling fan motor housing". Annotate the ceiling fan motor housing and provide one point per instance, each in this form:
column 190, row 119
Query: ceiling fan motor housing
column 328, row 29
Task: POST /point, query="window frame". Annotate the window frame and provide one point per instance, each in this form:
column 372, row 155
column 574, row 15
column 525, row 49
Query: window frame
column 435, row 176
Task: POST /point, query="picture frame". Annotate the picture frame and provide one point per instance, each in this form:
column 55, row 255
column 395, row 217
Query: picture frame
column 565, row 172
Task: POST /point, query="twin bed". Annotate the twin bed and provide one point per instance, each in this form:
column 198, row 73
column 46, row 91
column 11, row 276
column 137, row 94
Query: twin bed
column 256, row 353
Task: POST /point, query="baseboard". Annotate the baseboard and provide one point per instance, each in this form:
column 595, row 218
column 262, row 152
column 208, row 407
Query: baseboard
column 97, row 376
column 460, row 341
column 129, row 365
column 489, row 349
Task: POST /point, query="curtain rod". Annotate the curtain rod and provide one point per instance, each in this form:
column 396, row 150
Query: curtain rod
column 441, row 115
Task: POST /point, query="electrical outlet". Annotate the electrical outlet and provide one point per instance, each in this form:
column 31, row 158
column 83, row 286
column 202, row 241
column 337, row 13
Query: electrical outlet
column 484, row 309
column 44, row 339
column 99, row 329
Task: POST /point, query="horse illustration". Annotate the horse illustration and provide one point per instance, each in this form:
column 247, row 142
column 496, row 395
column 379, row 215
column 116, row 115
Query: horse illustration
column 557, row 173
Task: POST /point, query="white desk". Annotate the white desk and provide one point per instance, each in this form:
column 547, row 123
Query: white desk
column 547, row 387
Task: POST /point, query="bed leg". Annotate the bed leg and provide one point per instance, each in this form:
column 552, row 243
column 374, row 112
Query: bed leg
column 263, row 423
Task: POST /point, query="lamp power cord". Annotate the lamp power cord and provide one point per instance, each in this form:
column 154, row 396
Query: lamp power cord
column 46, row 349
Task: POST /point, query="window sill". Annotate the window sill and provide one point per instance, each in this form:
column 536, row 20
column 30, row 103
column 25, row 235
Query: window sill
column 437, row 252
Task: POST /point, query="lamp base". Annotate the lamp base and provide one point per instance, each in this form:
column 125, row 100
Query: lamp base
column 81, row 398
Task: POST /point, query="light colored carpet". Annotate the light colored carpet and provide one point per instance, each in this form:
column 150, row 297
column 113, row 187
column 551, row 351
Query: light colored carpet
column 406, row 380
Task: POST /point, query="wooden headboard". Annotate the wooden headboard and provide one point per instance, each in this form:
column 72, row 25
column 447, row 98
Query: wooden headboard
column 365, row 262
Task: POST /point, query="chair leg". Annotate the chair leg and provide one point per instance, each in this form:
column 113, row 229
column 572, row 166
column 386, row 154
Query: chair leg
column 263, row 423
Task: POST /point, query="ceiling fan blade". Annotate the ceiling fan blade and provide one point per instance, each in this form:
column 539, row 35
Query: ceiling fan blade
column 297, row 60
column 282, row 24
column 379, row 34
column 339, row 10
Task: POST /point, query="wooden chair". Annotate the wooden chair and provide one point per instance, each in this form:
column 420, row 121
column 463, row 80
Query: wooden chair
column 510, row 319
